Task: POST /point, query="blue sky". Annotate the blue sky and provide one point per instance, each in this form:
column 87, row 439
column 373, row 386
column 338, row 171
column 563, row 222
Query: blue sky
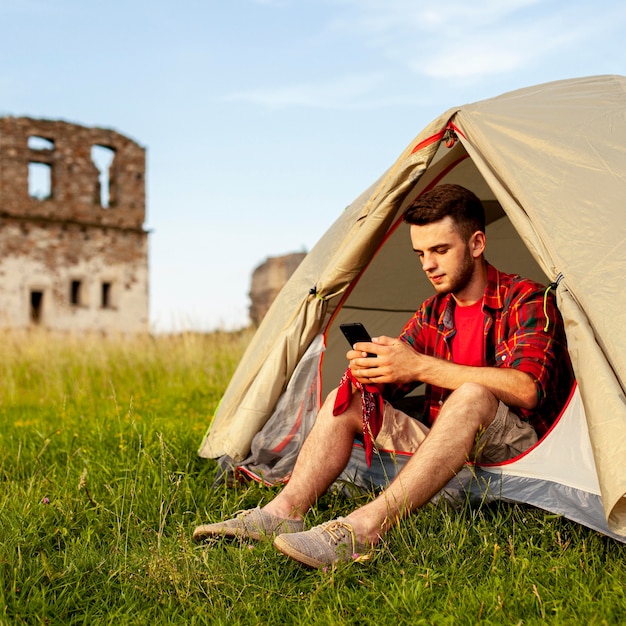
column 263, row 119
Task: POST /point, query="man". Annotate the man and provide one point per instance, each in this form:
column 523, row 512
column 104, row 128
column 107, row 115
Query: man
column 490, row 348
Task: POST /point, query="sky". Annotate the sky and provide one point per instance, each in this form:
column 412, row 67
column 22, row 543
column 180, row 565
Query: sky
column 264, row 119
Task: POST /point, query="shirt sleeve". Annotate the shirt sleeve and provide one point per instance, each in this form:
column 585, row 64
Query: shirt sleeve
column 532, row 325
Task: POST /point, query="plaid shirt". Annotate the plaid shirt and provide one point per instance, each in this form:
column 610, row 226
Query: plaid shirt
column 515, row 336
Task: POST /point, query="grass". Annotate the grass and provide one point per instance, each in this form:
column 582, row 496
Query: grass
column 101, row 488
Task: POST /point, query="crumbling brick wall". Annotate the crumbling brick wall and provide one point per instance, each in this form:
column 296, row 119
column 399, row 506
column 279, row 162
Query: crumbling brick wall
column 72, row 260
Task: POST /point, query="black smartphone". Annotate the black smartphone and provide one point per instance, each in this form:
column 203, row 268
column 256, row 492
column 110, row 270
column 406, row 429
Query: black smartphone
column 355, row 332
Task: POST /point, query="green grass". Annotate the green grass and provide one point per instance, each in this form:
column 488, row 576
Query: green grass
column 101, row 488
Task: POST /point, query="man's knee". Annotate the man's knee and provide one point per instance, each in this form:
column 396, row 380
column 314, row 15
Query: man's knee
column 473, row 392
column 330, row 398
column 352, row 414
column 473, row 399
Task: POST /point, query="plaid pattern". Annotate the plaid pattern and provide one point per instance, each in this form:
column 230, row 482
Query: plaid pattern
column 515, row 336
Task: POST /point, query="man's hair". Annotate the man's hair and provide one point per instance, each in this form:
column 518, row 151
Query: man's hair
column 454, row 201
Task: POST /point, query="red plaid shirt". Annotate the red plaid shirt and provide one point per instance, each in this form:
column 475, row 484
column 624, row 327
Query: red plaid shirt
column 514, row 335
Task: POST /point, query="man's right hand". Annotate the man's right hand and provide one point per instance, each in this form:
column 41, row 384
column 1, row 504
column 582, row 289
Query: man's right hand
column 394, row 362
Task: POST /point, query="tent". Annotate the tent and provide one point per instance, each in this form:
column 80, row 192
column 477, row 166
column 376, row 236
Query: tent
column 549, row 163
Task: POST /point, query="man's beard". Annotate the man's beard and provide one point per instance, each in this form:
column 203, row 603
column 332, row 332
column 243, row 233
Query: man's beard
column 463, row 276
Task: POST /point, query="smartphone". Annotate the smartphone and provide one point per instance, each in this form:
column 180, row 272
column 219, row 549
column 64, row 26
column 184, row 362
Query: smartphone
column 355, row 332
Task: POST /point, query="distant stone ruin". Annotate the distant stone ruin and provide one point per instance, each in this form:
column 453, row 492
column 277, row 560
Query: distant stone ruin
column 73, row 249
column 268, row 279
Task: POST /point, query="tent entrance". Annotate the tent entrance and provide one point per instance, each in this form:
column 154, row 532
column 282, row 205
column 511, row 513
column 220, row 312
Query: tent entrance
column 393, row 285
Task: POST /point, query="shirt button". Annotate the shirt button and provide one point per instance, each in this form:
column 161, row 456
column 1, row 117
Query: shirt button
column 504, row 357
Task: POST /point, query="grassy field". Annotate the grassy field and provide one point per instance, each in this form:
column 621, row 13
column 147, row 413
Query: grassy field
column 102, row 487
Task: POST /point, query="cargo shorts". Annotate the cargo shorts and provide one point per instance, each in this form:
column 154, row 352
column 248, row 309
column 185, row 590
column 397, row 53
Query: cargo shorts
column 505, row 438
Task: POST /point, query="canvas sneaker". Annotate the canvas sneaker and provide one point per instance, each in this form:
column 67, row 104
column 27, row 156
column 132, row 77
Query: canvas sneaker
column 326, row 544
column 251, row 524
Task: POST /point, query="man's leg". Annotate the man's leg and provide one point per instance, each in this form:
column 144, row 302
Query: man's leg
column 468, row 411
column 443, row 452
column 323, row 456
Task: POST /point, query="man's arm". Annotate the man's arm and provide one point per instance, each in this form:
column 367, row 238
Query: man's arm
column 397, row 363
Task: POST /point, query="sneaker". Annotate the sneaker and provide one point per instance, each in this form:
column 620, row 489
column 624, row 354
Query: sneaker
column 326, row 544
column 251, row 524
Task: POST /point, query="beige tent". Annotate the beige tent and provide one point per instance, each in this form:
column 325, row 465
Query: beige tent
column 549, row 163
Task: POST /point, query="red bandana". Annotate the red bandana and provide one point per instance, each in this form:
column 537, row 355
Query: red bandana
column 372, row 406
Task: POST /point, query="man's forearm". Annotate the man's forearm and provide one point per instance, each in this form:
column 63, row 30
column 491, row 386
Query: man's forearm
column 400, row 365
column 513, row 387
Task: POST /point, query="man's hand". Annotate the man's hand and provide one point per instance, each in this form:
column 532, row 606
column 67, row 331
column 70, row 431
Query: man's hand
column 395, row 362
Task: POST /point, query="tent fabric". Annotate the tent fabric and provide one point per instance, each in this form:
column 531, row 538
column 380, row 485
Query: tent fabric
column 549, row 163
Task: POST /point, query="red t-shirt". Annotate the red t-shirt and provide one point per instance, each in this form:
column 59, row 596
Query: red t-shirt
column 467, row 343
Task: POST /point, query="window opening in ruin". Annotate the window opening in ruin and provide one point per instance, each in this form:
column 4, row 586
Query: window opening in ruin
column 106, row 296
column 75, row 289
column 36, row 306
column 40, row 143
column 102, row 158
column 39, row 180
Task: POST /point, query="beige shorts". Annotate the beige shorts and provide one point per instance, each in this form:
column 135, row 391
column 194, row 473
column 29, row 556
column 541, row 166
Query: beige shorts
column 506, row 437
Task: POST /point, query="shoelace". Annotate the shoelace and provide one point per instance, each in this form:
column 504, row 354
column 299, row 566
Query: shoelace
column 242, row 515
column 337, row 530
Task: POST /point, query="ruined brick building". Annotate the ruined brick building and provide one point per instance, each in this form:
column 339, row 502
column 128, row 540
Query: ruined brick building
column 267, row 281
column 73, row 248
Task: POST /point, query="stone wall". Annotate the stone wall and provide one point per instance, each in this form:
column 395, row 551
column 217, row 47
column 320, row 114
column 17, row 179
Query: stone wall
column 268, row 279
column 74, row 258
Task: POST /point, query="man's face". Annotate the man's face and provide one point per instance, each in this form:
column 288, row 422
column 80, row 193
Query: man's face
column 449, row 262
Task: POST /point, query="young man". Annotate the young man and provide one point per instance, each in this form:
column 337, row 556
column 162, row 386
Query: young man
column 490, row 348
